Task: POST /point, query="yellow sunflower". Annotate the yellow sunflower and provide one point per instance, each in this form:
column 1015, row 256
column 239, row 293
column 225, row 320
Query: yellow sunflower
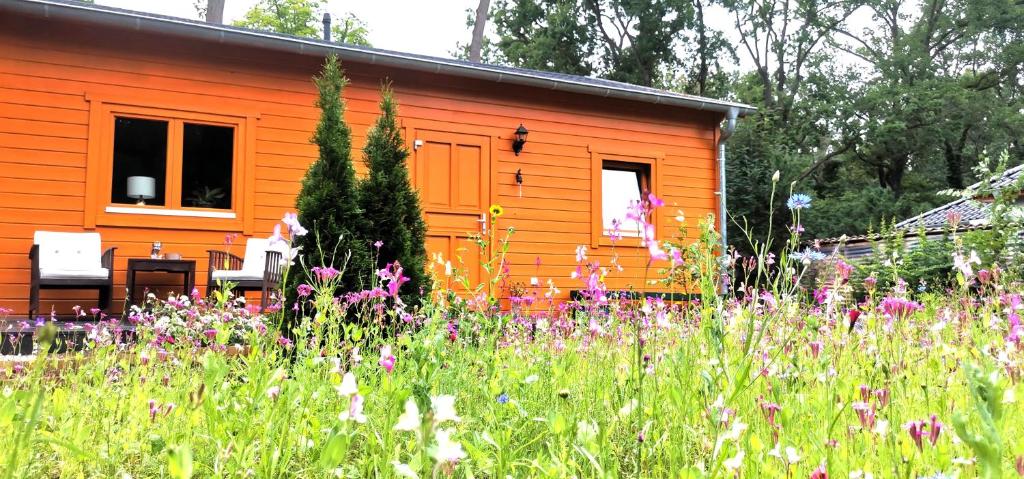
column 496, row 210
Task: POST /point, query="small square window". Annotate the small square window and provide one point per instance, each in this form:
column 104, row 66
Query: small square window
column 140, row 150
column 207, row 156
column 622, row 186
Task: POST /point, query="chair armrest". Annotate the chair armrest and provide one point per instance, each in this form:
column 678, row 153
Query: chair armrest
column 273, row 269
column 33, row 255
column 107, row 260
column 221, row 260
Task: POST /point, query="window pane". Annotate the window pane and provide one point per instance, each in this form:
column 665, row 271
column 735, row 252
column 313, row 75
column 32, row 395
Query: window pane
column 619, row 190
column 140, row 149
column 206, row 166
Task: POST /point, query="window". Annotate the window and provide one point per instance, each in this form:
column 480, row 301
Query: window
column 180, row 166
column 206, row 166
column 622, row 186
column 140, row 149
column 204, row 159
column 620, row 179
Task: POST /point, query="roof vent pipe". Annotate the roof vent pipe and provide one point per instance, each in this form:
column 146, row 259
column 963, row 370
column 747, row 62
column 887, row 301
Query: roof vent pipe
column 723, row 219
column 327, row 27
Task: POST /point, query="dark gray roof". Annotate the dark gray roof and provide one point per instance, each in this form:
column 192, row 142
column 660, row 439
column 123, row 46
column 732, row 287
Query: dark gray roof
column 973, row 214
column 230, row 35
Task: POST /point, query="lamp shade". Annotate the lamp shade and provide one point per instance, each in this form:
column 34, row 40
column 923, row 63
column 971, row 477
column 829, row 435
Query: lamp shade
column 141, row 187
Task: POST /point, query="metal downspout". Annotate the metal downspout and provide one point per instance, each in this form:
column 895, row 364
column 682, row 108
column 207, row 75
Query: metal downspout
column 723, row 220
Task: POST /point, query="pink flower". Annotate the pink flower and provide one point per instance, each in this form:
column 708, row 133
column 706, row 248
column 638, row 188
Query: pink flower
column 820, row 472
column 304, row 290
column 273, row 392
column 387, row 360
column 276, row 237
column 815, row 348
column 377, row 244
column 866, row 414
column 882, row 396
column 934, row 428
column 915, row 429
column 655, row 201
column 294, row 228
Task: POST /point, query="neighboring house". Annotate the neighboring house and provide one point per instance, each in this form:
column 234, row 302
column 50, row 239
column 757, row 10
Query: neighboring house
column 972, row 214
column 221, row 117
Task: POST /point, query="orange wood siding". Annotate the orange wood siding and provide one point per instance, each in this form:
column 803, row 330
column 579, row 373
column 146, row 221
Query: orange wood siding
column 48, row 69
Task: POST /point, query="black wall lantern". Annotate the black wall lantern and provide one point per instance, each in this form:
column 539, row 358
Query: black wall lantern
column 520, row 140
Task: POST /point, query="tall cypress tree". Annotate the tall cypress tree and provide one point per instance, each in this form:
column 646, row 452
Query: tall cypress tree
column 328, row 204
column 391, row 205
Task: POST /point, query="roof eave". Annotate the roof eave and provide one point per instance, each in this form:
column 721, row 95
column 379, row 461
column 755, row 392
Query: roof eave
column 141, row 21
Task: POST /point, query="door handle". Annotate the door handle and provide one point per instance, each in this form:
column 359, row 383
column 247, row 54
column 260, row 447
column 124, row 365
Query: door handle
column 483, row 223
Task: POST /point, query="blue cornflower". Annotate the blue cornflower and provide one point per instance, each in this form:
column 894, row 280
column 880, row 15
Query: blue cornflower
column 798, row 201
column 503, row 398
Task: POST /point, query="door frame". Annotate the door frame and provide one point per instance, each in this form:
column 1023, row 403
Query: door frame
column 413, row 128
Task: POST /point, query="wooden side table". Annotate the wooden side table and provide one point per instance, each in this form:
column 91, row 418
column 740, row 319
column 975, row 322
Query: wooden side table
column 184, row 267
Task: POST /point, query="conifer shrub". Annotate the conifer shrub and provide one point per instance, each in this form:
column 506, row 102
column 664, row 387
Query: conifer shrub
column 328, row 203
column 394, row 221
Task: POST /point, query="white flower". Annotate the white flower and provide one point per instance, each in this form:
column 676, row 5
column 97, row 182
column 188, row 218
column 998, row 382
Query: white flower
column 446, row 450
column 859, row 474
column 734, row 463
column 444, row 409
column 403, row 470
column 627, row 408
column 348, row 385
column 531, row 379
column 410, row 419
column 734, row 433
column 356, row 357
column 355, row 410
column 792, row 457
column 881, row 427
column 1009, row 397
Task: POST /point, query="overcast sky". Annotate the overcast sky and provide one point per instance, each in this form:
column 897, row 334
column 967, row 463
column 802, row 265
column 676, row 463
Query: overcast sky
column 428, row 27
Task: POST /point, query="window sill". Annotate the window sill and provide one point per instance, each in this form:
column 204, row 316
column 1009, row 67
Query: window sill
column 134, row 210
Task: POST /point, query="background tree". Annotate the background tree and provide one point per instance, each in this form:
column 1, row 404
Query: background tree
column 328, row 203
column 302, row 18
column 871, row 106
column 391, row 206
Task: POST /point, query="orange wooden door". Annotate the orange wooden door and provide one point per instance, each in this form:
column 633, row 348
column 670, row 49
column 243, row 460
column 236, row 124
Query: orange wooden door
column 452, row 172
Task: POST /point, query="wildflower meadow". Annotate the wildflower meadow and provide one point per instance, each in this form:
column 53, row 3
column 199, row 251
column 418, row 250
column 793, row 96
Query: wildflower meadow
column 782, row 375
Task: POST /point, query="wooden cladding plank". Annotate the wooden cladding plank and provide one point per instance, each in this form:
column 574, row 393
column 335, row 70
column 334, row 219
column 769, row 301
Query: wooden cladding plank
column 21, row 200
column 41, row 157
column 44, row 113
column 56, row 173
column 41, row 216
column 39, row 142
column 43, row 128
column 10, row 93
column 60, row 188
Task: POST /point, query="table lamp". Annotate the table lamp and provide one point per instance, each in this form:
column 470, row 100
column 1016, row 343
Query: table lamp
column 141, row 188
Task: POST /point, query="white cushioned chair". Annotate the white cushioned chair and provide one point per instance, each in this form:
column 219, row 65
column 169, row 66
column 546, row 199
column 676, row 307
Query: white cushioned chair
column 70, row 261
column 260, row 270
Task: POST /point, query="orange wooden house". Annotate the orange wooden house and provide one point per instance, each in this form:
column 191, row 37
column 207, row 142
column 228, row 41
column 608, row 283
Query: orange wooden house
column 226, row 116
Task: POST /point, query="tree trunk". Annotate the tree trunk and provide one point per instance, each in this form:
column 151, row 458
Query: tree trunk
column 215, row 11
column 478, row 31
column 702, row 48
